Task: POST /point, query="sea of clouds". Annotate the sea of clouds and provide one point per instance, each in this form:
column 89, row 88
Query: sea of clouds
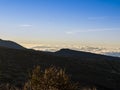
column 99, row 50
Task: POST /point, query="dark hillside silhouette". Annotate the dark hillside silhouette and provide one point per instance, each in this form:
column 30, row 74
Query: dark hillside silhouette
column 10, row 44
column 90, row 69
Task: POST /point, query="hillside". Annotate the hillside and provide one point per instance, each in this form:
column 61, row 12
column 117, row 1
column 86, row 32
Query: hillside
column 10, row 44
column 77, row 54
column 87, row 68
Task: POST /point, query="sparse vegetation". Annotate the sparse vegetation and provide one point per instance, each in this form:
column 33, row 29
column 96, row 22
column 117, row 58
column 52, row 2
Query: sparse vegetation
column 51, row 79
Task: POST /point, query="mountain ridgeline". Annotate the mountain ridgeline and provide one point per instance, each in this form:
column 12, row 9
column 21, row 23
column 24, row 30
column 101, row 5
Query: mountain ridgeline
column 84, row 67
column 10, row 44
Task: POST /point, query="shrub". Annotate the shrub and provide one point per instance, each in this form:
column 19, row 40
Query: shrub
column 51, row 79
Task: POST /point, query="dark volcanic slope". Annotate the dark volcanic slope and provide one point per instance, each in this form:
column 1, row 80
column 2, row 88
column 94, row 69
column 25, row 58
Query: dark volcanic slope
column 77, row 54
column 99, row 70
column 10, row 44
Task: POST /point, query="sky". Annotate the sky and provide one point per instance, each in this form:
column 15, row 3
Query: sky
column 61, row 22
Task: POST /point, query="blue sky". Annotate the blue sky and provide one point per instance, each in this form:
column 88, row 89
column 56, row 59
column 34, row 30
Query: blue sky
column 95, row 22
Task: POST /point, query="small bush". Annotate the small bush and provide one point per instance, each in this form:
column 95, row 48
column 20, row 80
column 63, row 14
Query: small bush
column 51, row 79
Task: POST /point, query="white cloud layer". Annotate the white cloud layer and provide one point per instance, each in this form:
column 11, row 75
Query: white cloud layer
column 98, row 50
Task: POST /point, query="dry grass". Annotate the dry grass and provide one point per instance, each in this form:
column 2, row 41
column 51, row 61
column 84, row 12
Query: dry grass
column 51, row 79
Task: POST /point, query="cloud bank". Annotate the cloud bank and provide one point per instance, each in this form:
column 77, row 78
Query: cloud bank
column 98, row 50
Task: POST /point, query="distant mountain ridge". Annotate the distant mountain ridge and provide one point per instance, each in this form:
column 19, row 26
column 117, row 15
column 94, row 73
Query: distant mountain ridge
column 98, row 50
column 74, row 53
column 10, row 44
